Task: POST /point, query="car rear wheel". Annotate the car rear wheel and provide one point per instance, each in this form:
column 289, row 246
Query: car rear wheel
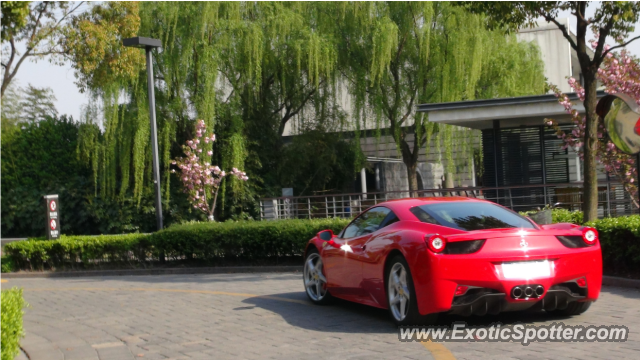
column 574, row 308
column 315, row 283
column 402, row 301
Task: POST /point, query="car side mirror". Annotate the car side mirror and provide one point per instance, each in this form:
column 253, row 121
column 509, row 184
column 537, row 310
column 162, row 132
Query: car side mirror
column 326, row 235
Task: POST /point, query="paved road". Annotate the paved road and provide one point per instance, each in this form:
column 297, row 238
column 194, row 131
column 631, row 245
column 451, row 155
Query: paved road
column 260, row 316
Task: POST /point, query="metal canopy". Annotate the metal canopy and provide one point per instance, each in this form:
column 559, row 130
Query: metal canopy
column 510, row 112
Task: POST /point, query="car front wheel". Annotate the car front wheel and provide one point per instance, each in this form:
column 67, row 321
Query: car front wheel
column 315, row 282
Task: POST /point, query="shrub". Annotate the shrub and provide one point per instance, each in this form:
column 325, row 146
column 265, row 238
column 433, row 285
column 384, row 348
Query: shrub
column 207, row 241
column 563, row 215
column 252, row 242
column 79, row 251
column 246, row 239
column 620, row 241
column 8, row 264
column 560, row 216
column 12, row 331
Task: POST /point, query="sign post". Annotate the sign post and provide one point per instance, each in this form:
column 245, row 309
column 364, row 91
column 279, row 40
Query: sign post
column 53, row 217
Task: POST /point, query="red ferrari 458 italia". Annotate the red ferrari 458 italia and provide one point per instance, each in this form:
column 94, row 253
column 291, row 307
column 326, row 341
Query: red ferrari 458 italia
column 421, row 257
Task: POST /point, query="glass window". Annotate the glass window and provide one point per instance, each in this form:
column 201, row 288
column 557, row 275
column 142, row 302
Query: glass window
column 366, row 223
column 470, row 216
column 390, row 219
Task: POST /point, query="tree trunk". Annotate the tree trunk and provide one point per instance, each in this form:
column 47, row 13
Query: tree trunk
column 410, row 160
column 590, row 191
column 412, row 176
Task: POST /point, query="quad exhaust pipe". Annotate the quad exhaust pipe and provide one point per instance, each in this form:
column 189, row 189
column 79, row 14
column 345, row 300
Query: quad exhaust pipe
column 517, row 292
column 527, row 291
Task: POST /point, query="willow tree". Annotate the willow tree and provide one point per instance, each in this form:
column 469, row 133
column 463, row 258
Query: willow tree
column 247, row 69
column 396, row 55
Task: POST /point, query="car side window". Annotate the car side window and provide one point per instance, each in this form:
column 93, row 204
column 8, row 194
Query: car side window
column 390, row 219
column 366, row 223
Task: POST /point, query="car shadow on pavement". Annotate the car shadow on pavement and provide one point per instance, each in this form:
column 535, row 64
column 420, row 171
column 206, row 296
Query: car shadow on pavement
column 349, row 317
column 339, row 316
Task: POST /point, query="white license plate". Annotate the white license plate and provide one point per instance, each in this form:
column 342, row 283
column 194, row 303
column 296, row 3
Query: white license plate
column 526, row 270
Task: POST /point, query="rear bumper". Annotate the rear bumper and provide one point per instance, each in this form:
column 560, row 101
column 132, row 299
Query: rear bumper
column 436, row 278
column 494, row 303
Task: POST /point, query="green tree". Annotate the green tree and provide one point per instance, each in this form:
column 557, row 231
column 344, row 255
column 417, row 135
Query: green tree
column 14, row 17
column 247, row 69
column 93, row 44
column 40, row 32
column 396, row 55
column 11, row 110
column 612, row 20
column 37, row 103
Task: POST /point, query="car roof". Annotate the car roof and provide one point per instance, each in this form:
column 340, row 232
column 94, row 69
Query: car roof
column 427, row 200
column 401, row 206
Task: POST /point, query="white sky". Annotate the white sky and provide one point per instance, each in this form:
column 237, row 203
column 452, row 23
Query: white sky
column 70, row 100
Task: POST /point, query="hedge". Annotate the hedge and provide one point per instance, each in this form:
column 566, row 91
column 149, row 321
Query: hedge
column 620, row 242
column 251, row 242
column 12, row 331
column 205, row 242
column 247, row 240
column 73, row 250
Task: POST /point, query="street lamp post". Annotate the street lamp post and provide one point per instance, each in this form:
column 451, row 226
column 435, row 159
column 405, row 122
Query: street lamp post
column 149, row 44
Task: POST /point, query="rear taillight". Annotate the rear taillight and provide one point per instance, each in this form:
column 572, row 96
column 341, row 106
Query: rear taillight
column 436, row 243
column 589, row 235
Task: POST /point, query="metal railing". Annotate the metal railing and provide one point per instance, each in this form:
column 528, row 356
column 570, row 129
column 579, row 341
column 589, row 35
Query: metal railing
column 612, row 200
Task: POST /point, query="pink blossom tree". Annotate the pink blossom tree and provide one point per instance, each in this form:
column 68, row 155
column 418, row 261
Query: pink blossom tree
column 200, row 179
column 620, row 74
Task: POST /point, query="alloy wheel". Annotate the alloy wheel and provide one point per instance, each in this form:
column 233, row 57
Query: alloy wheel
column 315, row 282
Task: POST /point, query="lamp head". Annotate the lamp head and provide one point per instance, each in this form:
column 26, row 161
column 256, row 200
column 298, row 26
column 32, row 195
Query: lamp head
column 142, row 42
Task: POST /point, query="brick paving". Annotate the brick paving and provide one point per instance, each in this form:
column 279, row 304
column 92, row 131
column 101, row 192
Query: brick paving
column 220, row 317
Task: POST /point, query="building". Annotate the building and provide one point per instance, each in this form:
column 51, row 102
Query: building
column 520, row 155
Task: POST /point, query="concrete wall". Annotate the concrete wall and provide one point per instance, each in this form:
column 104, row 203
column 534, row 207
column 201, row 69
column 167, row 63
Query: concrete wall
column 554, row 50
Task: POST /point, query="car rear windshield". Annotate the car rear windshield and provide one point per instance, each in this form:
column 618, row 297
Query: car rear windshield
column 470, row 216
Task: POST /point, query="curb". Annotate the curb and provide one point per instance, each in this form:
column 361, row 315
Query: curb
column 168, row 271
column 620, row 282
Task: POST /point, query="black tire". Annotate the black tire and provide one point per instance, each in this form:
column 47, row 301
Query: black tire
column 574, row 308
column 318, row 294
column 412, row 316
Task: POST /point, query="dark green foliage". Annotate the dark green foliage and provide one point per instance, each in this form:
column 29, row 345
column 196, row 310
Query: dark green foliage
column 42, row 158
column 246, row 239
column 78, row 251
column 8, row 264
column 38, row 160
column 620, row 242
column 12, row 331
column 561, row 216
column 207, row 242
column 332, row 167
column 40, row 154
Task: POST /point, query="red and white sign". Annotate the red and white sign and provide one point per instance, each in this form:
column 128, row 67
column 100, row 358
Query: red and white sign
column 53, row 224
column 52, row 205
